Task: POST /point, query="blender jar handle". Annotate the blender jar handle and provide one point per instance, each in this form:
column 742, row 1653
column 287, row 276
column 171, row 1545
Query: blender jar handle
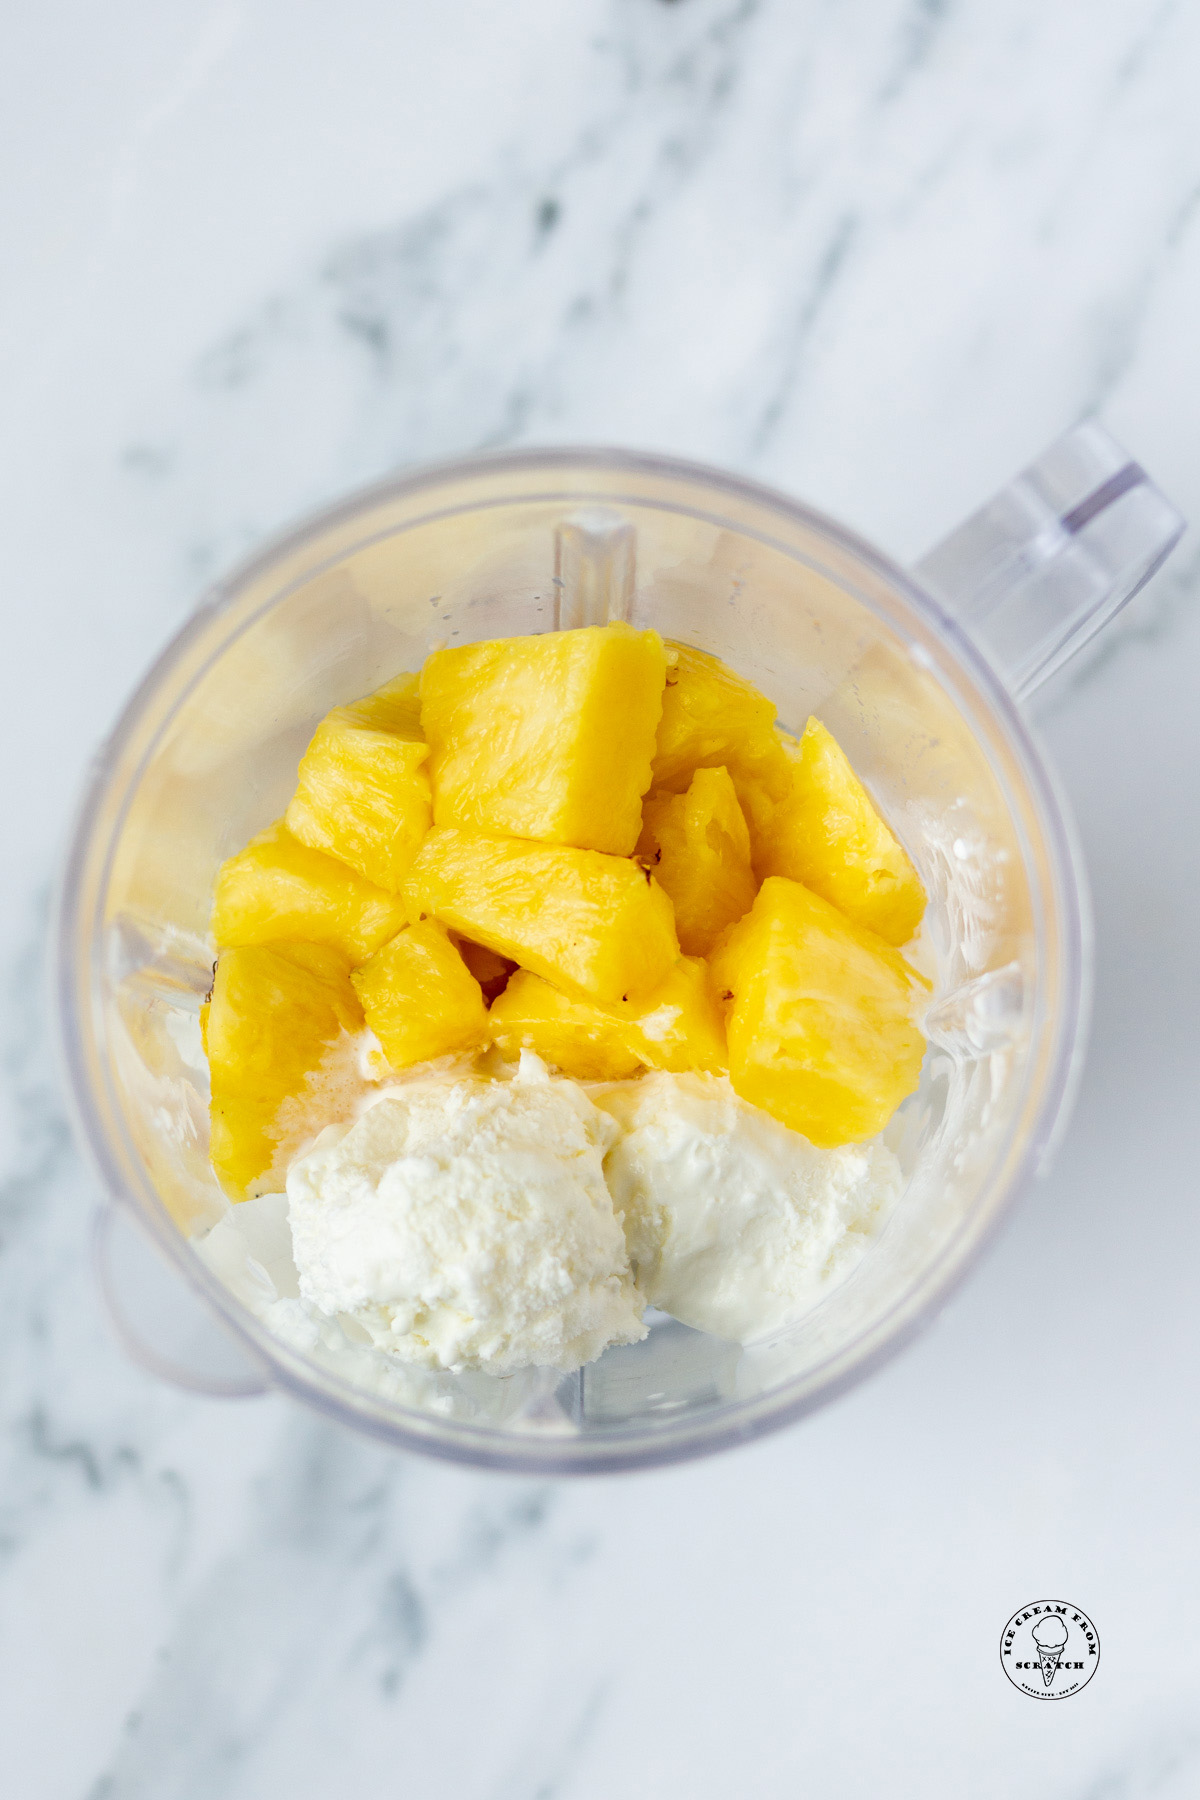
column 161, row 1321
column 1045, row 565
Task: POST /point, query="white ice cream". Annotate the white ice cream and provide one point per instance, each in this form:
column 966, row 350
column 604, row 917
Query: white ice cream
column 250, row 1248
column 734, row 1223
column 465, row 1224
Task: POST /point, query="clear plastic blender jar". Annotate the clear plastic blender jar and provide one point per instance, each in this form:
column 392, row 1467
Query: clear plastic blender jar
column 918, row 675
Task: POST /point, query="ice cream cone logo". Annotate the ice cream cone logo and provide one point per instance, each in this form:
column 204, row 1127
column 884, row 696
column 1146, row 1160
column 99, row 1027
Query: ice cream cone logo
column 1050, row 1649
column 1050, row 1636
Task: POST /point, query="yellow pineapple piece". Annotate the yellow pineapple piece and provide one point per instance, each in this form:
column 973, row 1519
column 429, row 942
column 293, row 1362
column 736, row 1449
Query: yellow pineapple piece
column 396, row 706
column 546, row 737
column 827, row 834
column 275, row 1012
column 419, row 997
column 761, row 791
column 595, row 925
column 363, row 792
column 586, row 1041
column 712, row 718
column 821, row 1016
column 278, row 889
column 699, row 848
column 678, row 1027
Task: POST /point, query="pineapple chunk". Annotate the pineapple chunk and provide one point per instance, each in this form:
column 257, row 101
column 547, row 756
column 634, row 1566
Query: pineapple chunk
column 699, row 848
column 363, row 793
column 278, row 889
column 419, row 997
column 678, row 1027
column 760, row 796
column 821, row 1031
column 546, row 737
column 828, row 835
column 396, row 706
column 712, row 718
column 596, row 925
column 275, row 1012
column 586, row 1041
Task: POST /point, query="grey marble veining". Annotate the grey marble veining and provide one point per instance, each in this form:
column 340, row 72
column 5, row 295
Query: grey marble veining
column 878, row 252
column 664, row 274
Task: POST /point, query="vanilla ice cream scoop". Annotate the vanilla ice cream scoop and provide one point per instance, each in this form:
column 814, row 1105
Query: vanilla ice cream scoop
column 466, row 1224
column 735, row 1224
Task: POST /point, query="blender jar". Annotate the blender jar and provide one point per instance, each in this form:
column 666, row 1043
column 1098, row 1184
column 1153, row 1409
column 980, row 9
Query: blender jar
column 915, row 674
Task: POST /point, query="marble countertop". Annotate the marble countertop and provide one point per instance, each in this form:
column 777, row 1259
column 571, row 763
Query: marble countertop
column 877, row 252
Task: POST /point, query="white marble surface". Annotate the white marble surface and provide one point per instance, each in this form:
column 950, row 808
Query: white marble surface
column 878, row 252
